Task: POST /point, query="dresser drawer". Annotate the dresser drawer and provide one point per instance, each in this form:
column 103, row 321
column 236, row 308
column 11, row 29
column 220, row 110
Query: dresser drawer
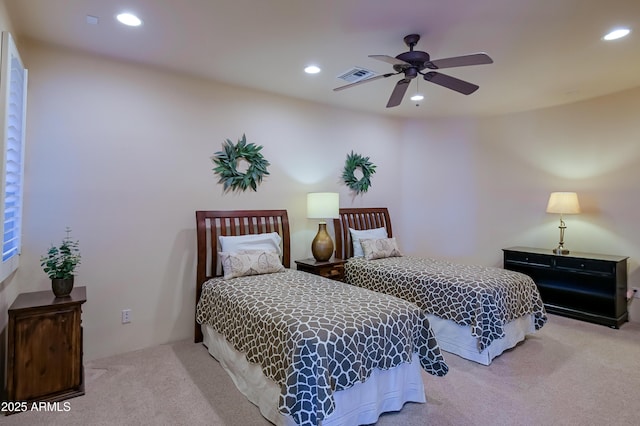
column 586, row 265
column 533, row 259
column 335, row 272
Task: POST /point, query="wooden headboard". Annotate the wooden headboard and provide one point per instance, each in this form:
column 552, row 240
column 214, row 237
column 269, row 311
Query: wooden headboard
column 213, row 223
column 358, row 218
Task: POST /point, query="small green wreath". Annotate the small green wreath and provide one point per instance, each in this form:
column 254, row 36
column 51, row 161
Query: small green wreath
column 226, row 162
column 353, row 162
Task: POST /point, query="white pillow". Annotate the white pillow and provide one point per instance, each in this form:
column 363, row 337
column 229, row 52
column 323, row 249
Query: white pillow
column 250, row 262
column 380, row 249
column 264, row 242
column 370, row 234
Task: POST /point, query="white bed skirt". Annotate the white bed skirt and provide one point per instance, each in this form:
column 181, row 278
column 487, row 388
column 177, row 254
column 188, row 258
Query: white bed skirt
column 385, row 390
column 457, row 339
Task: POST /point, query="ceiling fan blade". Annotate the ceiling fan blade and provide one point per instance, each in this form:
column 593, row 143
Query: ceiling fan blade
column 452, row 83
column 377, row 77
column 459, row 61
column 389, row 59
column 398, row 92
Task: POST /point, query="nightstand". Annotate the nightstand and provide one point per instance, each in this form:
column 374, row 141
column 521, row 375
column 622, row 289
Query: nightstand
column 333, row 268
column 44, row 354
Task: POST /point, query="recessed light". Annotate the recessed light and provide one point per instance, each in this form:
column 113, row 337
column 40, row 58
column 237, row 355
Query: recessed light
column 312, row 69
column 129, row 19
column 617, row 33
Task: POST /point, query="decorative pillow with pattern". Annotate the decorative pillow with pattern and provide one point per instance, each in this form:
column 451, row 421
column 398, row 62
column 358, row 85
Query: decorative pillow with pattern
column 380, row 248
column 250, row 262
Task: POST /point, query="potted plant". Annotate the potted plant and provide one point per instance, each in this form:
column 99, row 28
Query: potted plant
column 60, row 262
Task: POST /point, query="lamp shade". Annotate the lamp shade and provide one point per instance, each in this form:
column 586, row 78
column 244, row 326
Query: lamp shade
column 563, row 203
column 323, row 205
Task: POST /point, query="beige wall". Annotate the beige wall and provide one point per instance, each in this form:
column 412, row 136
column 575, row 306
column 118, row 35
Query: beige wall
column 121, row 153
column 484, row 184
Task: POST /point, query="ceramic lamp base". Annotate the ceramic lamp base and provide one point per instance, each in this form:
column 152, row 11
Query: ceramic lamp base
column 322, row 245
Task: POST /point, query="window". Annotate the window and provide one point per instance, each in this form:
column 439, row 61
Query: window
column 13, row 98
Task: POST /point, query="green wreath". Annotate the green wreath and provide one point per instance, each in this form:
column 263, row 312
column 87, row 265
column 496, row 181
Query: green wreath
column 226, row 162
column 353, row 162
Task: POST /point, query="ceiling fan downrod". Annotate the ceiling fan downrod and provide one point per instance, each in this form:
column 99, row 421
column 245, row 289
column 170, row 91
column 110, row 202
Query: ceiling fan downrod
column 411, row 40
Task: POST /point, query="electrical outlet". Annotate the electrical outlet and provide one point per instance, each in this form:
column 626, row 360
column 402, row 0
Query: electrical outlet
column 636, row 292
column 126, row 316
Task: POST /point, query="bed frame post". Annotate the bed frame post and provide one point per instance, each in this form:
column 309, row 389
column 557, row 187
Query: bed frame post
column 201, row 236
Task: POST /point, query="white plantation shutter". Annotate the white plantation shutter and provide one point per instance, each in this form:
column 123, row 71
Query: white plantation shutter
column 13, row 97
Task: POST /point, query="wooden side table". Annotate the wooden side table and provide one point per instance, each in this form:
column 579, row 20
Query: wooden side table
column 44, row 355
column 333, row 268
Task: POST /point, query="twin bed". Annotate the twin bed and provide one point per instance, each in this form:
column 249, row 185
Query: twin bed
column 305, row 349
column 476, row 312
column 309, row 350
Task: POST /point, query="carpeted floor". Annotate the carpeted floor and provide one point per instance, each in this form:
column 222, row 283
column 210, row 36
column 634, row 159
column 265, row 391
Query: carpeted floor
column 569, row 373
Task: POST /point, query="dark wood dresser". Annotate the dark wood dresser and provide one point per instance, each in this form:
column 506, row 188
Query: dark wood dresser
column 44, row 354
column 585, row 286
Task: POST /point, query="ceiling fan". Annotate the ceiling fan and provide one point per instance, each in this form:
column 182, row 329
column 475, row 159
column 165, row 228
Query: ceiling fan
column 415, row 62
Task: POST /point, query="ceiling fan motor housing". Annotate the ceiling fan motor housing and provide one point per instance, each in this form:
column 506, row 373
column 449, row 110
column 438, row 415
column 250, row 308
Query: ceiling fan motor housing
column 414, row 59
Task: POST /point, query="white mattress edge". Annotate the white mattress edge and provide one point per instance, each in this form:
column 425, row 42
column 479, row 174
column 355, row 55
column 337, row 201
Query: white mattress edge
column 457, row 339
column 384, row 391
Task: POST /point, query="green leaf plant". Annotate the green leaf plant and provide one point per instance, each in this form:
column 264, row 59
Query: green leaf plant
column 61, row 261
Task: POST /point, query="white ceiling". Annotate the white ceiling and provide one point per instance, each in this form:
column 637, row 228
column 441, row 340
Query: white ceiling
column 545, row 52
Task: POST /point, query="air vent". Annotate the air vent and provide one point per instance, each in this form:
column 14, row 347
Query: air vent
column 356, row 74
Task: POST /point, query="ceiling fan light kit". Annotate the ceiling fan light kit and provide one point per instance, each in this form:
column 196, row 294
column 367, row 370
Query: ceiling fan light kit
column 416, row 62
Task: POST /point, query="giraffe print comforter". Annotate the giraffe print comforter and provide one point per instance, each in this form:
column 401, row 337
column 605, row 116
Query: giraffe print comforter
column 484, row 298
column 314, row 336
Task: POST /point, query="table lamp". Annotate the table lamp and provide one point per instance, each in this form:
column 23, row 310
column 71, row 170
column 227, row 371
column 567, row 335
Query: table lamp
column 322, row 205
column 563, row 203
